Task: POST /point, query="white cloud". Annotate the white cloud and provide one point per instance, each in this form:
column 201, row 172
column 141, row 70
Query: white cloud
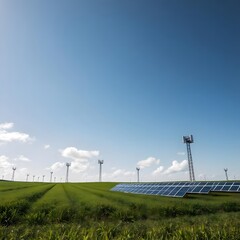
column 122, row 172
column 22, row 158
column 177, row 167
column 129, row 173
column 79, row 166
column 5, row 166
column 181, row 153
column 158, row 170
column 6, row 126
column 80, row 158
column 4, row 162
column 56, row 166
column 7, row 171
column 118, row 175
column 118, row 172
column 75, row 154
column 46, row 146
column 202, row 176
column 6, row 136
column 13, row 136
column 148, row 162
column 23, row 170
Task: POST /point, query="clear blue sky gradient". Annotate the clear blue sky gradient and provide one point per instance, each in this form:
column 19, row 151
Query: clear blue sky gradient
column 125, row 77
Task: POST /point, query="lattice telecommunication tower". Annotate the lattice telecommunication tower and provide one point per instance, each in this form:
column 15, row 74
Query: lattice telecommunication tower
column 188, row 140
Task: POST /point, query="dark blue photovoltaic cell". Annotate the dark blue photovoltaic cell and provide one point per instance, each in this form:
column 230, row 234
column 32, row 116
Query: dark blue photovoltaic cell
column 182, row 192
column 182, row 183
column 178, row 189
column 197, row 189
column 225, row 188
column 172, row 191
column 167, row 191
column 234, row 188
column 218, row 188
column 195, row 183
column 175, row 190
column 205, row 189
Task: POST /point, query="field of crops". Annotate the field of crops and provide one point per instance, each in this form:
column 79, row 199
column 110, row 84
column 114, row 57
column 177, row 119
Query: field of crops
column 91, row 211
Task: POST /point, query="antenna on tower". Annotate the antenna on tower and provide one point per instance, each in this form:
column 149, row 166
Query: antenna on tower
column 27, row 177
column 188, row 140
column 225, row 169
column 138, row 169
column 14, row 169
column 43, row 178
column 68, row 165
column 51, row 173
column 100, row 169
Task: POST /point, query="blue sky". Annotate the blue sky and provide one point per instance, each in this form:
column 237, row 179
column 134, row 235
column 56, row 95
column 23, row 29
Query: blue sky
column 120, row 81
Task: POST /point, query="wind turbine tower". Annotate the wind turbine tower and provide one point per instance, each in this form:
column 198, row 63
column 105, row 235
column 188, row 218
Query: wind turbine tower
column 225, row 169
column 33, row 177
column 188, row 140
column 27, row 177
column 100, row 169
column 68, row 165
column 14, row 169
column 38, row 179
column 51, row 173
column 138, row 169
column 43, row 178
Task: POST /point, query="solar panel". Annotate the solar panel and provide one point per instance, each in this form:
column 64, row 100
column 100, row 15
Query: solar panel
column 236, row 183
column 235, row 187
column 206, row 189
column 218, row 187
column 225, row 188
column 197, row 189
column 174, row 191
column 178, row 189
column 181, row 192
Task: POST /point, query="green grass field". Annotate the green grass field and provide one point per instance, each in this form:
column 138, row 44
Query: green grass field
column 91, row 211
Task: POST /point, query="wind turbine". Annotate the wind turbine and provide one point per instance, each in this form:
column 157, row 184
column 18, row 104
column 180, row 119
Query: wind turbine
column 100, row 162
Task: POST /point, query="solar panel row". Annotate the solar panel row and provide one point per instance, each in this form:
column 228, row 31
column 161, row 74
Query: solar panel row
column 178, row 189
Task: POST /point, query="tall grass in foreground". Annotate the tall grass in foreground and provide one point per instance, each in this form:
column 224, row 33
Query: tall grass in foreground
column 223, row 226
column 91, row 211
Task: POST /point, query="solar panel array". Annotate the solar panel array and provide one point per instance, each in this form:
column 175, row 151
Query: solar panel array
column 178, row 189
